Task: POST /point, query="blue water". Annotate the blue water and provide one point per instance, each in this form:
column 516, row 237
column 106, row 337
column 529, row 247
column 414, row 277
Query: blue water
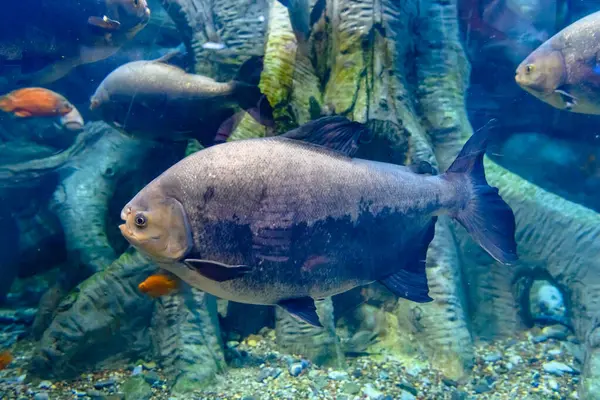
column 421, row 75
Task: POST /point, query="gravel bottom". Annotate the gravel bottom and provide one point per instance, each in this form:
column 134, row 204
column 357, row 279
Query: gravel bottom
column 537, row 365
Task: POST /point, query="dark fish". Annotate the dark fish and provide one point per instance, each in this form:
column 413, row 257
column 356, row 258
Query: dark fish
column 60, row 36
column 565, row 71
column 153, row 99
column 285, row 220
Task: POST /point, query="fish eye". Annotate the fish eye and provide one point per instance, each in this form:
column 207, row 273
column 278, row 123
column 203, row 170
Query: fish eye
column 529, row 68
column 140, row 220
column 136, row 2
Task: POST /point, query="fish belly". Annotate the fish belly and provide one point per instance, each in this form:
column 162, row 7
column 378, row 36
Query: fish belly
column 317, row 260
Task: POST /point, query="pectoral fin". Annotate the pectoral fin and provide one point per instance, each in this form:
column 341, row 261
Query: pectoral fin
column 217, row 271
column 23, row 113
column 302, row 308
column 570, row 100
column 104, row 23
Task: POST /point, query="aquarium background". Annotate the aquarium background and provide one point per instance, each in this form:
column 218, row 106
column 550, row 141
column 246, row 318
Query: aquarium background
column 422, row 75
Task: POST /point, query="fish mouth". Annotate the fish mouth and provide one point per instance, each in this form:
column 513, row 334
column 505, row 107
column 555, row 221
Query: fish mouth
column 125, row 231
column 94, row 104
column 128, row 234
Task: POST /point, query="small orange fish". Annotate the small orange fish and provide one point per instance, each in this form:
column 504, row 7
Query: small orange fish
column 35, row 102
column 158, row 285
column 5, row 359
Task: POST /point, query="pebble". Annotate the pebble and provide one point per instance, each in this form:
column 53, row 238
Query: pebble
column 482, row 387
column 320, row 382
column 296, row 369
column 150, row 365
column 135, row 388
column 104, row 384
column 557, row 368
column 413, row 370
column 372, row 393
column 78, row 393
column 95, row 395
column 351, row 388
column 557, row 332
column 137, row 370
column 232, row 344
column 45, row 385
column 493, row 357
column 338, row 375
column 458, row 395
column 407, row 387
column 268, row 372
column 449, row 382
column 539, row 338
column 41, row 396
column 554, row 352
column 552, row 384
column 407, row 396
column 151, row 377
column 515, row 360
column 384, row 376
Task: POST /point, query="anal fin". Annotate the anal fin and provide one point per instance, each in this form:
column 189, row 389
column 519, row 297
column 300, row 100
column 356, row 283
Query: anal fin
column 217, row 271
column 411, row 282
column 302, row 308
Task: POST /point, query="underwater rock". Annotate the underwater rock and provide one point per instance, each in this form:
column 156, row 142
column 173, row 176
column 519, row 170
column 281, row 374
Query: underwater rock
column 31, row 172
column 85, row 195
column 546, row 302
column 320, row 345
column 240, row 26
column 236, row 320
column 104, row 312
column 187, row 338
column 554, row 236
column 136, row 388
column 9, row 257
column 557, row 368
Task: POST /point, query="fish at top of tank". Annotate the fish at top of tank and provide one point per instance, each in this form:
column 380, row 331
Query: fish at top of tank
column 43, row 40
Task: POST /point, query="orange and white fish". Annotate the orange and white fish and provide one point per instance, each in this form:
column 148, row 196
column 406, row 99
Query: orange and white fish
column 35, row 102
column 158, row 285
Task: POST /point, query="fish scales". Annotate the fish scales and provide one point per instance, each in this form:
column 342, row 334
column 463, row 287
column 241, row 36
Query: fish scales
column 290, row 219
column 326, row 195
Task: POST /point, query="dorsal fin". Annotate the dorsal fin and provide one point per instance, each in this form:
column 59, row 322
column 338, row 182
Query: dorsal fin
column 165, row 58
column 336, row 133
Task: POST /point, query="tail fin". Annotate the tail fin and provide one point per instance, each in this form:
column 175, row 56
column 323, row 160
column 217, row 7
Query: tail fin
column 248, row 94
column 487, row 218
column 6, row 104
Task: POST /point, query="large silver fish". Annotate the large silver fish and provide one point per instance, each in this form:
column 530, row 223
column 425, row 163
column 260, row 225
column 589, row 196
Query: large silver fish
column 156, row 100
column 565, row 71
column 289, row 219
